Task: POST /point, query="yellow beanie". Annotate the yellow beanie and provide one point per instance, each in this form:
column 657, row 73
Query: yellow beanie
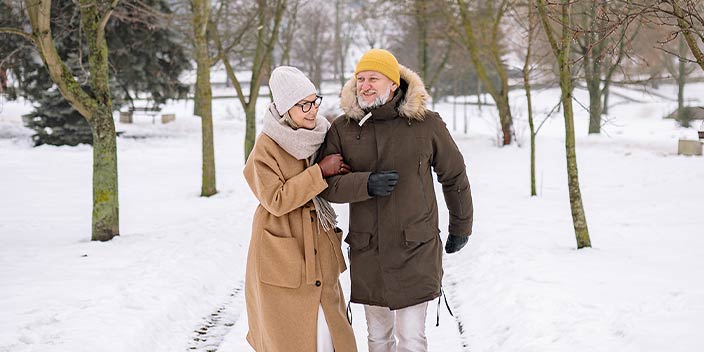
column 381, row 61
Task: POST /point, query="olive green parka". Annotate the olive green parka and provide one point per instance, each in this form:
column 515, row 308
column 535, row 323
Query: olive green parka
column 394, row 243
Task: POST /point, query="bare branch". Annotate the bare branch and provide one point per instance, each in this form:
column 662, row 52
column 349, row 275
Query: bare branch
column 39, row 13
column 18, row 32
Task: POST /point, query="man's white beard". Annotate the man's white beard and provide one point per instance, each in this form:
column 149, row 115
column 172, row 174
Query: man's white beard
column 379, row 101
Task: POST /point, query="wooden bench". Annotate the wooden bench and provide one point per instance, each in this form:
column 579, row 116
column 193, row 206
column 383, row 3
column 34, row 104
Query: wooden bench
column 128, row 116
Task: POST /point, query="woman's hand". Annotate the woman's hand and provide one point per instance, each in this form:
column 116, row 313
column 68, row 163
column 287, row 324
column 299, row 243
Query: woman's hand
column 332, row 165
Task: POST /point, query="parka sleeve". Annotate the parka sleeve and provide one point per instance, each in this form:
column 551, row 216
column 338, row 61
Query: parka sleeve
column 450, row 168
column 276, row 195
column 348, row 188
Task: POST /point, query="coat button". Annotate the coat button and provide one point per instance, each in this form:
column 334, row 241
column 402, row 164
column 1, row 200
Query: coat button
column 318, row 283
column 315, row 251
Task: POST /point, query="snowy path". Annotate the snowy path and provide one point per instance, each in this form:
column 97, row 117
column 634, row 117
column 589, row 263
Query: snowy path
column 226, row 328
column 209, row 336
column 439, row 338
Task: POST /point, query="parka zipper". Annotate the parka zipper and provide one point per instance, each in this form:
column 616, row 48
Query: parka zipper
column 422, row 186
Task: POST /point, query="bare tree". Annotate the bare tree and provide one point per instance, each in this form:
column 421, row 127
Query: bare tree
column 680, row 68
column 602, row 45
column 289, row 27
column 531, row 30
column 489, row 53
column 561, row 48
column 424, row 43
column 258, row 56
column 688, row 16
column 375, row 27
column 315, row 43
column 94, row 105
column 685, row 17
column 203, row 94
column 344, row 29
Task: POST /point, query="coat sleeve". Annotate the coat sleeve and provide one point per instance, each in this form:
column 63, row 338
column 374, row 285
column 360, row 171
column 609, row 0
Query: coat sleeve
column 448, row 164
column 348, row 188
column 277, row 195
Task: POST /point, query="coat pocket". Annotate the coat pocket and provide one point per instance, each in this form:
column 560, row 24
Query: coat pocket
column 338, row 250
column 419, row 235
column 279, row 261
column 359, row 241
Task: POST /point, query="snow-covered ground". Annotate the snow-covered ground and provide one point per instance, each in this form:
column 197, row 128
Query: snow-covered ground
column 519, row 285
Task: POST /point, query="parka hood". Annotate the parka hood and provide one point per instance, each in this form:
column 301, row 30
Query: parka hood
column 412, row 105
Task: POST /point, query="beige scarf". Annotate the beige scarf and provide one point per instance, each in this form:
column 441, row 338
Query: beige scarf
column 302, row 144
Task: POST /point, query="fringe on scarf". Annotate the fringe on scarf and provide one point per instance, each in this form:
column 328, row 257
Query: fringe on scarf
column 326, row 214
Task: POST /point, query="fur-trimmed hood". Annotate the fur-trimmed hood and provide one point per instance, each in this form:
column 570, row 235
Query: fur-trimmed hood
column 413, row 105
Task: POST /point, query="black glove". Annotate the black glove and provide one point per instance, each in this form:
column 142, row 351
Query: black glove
column 455, row 243
column 381, row 183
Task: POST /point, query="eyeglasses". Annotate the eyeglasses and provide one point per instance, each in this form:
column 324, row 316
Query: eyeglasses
column 309, row 104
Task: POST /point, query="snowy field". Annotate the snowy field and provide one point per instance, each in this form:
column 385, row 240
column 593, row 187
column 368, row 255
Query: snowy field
column 173, row 278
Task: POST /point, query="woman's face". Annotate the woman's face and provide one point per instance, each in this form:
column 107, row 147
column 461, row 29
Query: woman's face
column 305, row 119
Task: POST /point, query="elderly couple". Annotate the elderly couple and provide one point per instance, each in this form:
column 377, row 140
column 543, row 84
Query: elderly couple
column 377, row 157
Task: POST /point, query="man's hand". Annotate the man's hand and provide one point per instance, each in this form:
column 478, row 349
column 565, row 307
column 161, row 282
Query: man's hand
column 455, row 243
column 380, row 184
column 332, row 165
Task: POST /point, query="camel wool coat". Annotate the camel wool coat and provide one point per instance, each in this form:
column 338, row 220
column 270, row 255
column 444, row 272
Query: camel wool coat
column 293, row 265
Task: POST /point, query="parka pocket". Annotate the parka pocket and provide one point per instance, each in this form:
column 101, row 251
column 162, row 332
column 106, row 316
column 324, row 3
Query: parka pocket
column 279, row 261
column 418, row 235
column 359, row 241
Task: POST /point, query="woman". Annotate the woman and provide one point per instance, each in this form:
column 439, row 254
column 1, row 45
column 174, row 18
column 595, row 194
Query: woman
column 294, row 298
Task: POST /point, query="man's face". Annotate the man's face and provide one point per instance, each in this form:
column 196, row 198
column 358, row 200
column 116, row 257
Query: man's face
column 374, row 89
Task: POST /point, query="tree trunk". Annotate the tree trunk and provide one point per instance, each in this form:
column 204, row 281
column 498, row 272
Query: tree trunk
column 505, row 118
column 579, row 220
column 605, row 104
column 203, row 95
column 529, row 100
column 592, row 67
column 422, row 28
column 106, row 220
column 526, row 82
column 682, row 116
column 250, row 130
column 105, row 191
column 593, row 86
column 339, row 45
column 561, row 51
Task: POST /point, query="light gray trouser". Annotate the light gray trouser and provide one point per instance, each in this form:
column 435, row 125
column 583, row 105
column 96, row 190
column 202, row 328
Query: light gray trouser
column 407, row 326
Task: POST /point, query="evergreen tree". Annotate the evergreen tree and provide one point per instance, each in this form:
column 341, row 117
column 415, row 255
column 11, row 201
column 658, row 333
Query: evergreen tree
column 55, row 122
column 144, row 58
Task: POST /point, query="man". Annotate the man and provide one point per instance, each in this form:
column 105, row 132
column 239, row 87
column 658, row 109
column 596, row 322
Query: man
column 391, row 141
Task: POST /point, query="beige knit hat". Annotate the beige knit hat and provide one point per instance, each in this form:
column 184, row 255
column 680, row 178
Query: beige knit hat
column 288, row 86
